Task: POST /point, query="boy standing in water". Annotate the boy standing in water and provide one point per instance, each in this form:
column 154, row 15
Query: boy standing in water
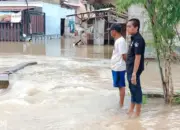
column 118, row 64
column 135, row 65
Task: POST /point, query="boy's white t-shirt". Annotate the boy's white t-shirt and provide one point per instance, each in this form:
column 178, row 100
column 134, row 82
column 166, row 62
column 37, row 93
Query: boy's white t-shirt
column 117, row 61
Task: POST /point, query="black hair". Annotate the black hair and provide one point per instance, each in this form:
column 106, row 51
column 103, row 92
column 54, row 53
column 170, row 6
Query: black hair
column 135, row 22
column 116, row 27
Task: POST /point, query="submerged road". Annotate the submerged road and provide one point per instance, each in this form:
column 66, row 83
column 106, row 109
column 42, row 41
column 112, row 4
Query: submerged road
column 73, row 94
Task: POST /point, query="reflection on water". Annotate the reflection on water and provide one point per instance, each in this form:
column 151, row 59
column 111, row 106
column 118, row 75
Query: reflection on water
column 56, row 47
column 69, row 93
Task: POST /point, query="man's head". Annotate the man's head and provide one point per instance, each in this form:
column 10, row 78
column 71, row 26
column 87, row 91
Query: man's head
column 133, row 26
column 115, row 30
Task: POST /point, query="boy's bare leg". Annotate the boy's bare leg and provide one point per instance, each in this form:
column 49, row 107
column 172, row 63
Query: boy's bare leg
column 122, row 95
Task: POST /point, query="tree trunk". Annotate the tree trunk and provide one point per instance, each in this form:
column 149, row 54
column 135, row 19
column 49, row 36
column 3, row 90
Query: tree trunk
column 166, row 76
column 169, row 89
column 166, row 79
column 161, row 74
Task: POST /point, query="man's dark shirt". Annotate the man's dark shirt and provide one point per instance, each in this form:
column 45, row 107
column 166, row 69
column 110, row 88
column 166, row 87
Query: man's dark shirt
column 137, row 47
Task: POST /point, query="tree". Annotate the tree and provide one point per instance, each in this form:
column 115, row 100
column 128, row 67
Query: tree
column 164, row 15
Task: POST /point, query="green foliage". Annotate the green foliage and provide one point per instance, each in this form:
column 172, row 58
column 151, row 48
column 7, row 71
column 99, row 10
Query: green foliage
column 122, row 5
column 149, row 43
column 176, row 100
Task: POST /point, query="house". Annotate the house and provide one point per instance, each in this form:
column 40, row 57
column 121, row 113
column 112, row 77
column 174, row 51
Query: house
column 55, row 15
column 15, row 20
column 44, row 19
column 92, row 23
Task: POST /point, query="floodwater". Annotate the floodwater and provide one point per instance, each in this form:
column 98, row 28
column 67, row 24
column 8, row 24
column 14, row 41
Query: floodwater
column 71, row 89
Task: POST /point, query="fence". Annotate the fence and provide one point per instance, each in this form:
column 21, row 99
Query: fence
column 37, row 38
column 14, row 31
column 37, row 20
column 10, row 31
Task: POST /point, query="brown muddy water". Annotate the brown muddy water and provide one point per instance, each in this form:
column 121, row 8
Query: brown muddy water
column 71, row 89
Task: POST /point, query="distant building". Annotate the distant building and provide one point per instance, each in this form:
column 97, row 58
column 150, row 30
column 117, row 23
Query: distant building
column 18, row 20
column 44, row 18
column 135, row 11
column 46, row 1
column 92, row 23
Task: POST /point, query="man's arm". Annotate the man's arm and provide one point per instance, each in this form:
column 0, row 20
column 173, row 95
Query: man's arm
column 138, row 45
column 136, row 64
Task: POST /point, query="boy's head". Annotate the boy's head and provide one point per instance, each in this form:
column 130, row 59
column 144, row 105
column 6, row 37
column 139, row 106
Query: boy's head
column 133, row 26
column 115, row 30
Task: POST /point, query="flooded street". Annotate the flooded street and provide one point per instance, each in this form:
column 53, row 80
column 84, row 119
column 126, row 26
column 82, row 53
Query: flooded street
column 71, row 89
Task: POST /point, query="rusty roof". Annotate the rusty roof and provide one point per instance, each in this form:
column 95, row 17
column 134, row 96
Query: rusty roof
column 121, row 15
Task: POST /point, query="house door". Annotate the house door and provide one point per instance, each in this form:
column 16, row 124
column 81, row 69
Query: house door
column 62, row 26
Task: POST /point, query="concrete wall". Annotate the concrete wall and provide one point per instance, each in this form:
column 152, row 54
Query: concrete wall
column 99, row 32
column 54, row 13
column 137, row 11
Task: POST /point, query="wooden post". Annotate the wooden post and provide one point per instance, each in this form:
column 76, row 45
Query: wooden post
column 95, row 32
column 108, row 34
column 108, row 31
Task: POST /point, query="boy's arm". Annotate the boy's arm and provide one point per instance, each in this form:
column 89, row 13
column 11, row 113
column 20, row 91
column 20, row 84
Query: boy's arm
column 124, row 56
column 123, row 50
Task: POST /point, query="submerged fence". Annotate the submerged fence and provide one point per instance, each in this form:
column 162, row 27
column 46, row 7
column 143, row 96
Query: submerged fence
column 32, row 23
column 10, row 31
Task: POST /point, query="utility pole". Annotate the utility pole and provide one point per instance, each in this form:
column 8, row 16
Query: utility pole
column 27, row 17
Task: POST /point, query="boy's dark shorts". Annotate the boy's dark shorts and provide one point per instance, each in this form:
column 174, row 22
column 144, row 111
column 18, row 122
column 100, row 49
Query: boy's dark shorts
column 136, row 91
column 118, row 78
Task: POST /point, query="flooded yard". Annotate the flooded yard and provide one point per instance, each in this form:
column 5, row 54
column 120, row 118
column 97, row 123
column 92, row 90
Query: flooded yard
column 71, row 89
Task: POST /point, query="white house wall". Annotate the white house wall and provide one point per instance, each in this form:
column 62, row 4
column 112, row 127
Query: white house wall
column 54, row 13
column 137, row 11
column 99, row 32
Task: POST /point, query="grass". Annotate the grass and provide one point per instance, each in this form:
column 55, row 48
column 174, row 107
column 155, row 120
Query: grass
column 144, row 99
column 176, row 99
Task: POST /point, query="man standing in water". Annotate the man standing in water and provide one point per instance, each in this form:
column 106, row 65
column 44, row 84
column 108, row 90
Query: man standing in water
column 118, row 59
column 135, row 65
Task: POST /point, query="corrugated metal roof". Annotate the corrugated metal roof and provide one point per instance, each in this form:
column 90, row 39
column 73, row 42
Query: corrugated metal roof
column 14, row 8
column 72, row 4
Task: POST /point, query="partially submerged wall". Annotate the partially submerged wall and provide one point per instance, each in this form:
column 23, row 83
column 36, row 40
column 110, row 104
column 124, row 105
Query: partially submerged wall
column 54, row 13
